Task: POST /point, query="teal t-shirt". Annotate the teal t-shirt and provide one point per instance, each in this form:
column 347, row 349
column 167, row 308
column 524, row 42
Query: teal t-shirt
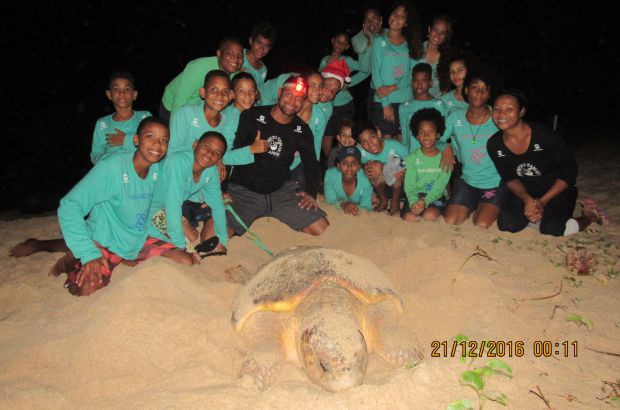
column 344, row 96
column 321, row 113
column 470, row 146
column 391, row 65
column 424, row 175
column 451, row 103
column 334, row 192
column 177, row 185
column 183, row 89
column 259, row 75
column 391, row 148
column 406, row 111
column 269, row 90
column 189, row 123
column 239, row 156
column 107, row 125
column 117, row 203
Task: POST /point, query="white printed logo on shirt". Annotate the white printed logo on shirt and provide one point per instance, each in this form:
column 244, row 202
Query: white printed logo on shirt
column 261, row 119
column 207, row 179
column 500, row 154
column 459, row 123
column 537, row 147
column 382, row 43
column 298, row 129
column 103, row 125
column 275, row 145
column 528, row 170
column 195, row 122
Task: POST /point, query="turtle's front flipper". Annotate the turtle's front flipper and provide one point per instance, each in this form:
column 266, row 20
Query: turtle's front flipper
column 389, row 339
column 398, row 348
column 263, row 366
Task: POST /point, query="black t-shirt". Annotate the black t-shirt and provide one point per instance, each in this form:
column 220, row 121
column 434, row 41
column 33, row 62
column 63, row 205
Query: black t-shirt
column 271, row 169
column 547, row 158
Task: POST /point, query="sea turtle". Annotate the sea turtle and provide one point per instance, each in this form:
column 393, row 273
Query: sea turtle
column 324, row 309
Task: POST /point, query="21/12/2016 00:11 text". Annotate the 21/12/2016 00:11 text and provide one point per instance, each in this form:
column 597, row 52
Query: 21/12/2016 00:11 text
column 500, row 348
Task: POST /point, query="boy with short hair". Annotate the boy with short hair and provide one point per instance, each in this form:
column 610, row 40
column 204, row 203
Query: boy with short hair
column 383, row 164
column 185, row 175
column 261, row 41
column 346, row 186
column 421, row 83
column 111, row 131
column 183, row 89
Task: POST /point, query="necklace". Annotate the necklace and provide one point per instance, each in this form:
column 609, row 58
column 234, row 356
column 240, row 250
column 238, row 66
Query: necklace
column 473, row 140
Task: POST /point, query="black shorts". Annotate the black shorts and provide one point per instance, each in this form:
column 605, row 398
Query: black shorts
column 469, row 196
column 386, row 128
column 340, row 113
column 281, row 204
column 195, row 212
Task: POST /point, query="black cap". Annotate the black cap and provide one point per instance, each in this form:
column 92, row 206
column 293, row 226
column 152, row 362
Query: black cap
column 349, row 152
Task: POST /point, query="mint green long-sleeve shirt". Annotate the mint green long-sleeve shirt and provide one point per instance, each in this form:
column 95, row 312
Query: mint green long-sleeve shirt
column 189, row 123
column 176, row 186
column 424, row 175
column 334, row 192
column 239, row 156
column 406, row 110
column 117, row 203
column 183, row 89
column 391, row 65
column 106, row 125
column 344, row 95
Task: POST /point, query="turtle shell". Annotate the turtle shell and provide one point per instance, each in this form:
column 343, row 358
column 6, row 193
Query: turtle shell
column 284, row 282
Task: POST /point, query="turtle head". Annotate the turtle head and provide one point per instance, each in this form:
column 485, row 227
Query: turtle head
column 335, row 361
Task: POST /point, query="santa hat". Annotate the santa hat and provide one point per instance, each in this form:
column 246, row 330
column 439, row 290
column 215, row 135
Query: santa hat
column 338, row 69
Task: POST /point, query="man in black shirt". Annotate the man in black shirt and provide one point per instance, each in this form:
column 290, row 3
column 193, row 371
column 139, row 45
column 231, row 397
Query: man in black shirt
column 265, row 188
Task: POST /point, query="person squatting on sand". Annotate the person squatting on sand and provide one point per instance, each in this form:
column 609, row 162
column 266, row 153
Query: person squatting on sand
column 265, row 188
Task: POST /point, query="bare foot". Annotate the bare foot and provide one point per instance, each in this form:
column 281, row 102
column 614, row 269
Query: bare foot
column 26, row 248
column 64, row 265
column 394, row 210
column 382, row 205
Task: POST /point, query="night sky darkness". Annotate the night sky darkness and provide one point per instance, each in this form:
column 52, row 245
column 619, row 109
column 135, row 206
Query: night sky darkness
column 563, row 55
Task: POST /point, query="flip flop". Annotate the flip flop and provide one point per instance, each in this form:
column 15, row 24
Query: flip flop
column 207, row 247
column 602, row 218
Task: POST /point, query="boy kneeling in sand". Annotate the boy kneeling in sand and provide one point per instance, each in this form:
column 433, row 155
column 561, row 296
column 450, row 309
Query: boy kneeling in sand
column 116, row 195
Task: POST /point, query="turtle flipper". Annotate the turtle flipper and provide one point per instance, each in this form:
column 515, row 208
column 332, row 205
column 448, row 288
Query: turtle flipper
column 398, row 350
column 264, row 367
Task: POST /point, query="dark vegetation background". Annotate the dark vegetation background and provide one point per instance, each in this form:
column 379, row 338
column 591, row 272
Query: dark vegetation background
column 57, row 57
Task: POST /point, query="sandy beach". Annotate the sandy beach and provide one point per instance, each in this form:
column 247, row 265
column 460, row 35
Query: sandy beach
column 160, row 335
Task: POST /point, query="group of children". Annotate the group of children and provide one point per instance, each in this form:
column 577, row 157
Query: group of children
column 424, row 153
